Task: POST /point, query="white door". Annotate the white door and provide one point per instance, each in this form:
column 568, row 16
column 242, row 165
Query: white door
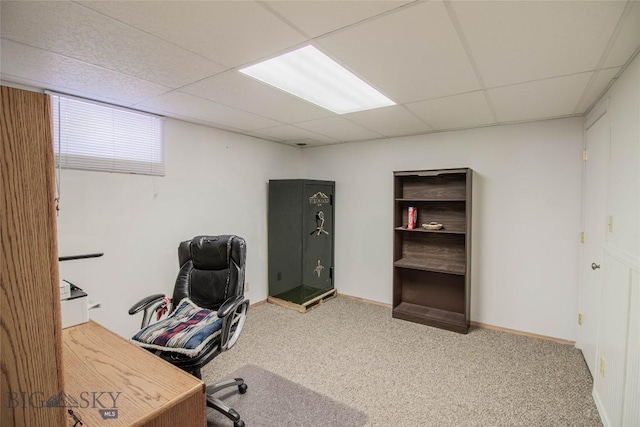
column 595, row 229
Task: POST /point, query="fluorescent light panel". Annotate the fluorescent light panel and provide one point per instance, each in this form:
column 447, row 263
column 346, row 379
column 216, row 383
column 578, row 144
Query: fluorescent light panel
column 311, row 75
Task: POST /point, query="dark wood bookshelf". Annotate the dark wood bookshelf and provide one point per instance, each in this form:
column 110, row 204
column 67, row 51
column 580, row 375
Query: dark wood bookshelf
column 431, row 316
column 423, row 230
column 431, row 279
column 430, row 200
column 436, row 265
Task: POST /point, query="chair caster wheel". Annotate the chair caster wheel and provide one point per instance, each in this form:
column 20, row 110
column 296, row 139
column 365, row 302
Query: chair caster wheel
column 238, row 423
column 242, row 388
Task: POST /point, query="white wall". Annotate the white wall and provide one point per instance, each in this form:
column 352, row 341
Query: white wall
column 526, row 216
column 525, row 233
column 216, row 183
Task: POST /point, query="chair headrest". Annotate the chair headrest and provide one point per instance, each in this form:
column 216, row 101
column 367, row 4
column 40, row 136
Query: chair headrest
column 211, row 252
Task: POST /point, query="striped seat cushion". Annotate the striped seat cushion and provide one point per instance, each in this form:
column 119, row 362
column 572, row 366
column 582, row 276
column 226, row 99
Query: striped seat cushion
column 186, row 331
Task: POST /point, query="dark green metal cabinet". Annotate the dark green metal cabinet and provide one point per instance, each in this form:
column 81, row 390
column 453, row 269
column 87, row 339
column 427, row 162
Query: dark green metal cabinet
column 301, row 238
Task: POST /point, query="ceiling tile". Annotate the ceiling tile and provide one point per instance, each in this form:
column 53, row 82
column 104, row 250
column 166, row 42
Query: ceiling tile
column 290, row 133
column 187, row 105
column 628, row 40
column 305, row 142
column 261, row 136
column 320, row 17
column 389, row 121
column 410, row 54
column 518, row 41
column 339, row 129
column 34, row 85
column 236, row 90
column 229, row 32
column 72, row 30
column 540, row 99
column 48, row 70
column 207, row 123
column 455, row 112
column 599, row 83
column 537, row 58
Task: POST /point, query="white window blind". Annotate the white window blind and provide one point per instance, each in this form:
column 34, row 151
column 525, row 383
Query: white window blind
column 89, row 135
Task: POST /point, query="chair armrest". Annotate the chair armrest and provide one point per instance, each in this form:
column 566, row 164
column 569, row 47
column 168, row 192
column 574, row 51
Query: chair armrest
column 157, row 303
column 229, row 305
column 145, row 302
column 233, row 313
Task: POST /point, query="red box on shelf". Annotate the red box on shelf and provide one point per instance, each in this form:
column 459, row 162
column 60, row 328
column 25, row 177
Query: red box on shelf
column 412, row 216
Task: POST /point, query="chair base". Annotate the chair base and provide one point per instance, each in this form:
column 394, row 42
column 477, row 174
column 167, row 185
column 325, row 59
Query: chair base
column 219, row 405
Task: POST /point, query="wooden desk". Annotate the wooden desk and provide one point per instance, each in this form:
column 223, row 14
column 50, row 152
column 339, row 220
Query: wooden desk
column 152, row 391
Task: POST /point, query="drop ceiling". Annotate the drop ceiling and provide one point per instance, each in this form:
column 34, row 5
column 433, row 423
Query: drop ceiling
column 446, row 64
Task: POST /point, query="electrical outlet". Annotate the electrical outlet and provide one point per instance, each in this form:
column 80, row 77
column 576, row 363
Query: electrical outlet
column 602, row 365
column 246, row 286
column 579, row 318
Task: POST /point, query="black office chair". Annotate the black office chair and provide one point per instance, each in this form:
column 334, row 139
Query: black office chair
column 212, row 276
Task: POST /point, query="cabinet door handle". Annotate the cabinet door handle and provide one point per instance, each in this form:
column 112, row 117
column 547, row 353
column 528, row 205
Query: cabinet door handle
column 595, row 266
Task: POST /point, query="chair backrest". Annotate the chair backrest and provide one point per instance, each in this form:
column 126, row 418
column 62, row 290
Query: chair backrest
column 211, row 270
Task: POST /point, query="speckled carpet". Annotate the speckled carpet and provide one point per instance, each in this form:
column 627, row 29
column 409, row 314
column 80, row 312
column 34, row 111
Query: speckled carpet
column 404, row 374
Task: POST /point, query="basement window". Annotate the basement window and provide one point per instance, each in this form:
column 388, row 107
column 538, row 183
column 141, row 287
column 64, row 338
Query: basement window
column 90, row 135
